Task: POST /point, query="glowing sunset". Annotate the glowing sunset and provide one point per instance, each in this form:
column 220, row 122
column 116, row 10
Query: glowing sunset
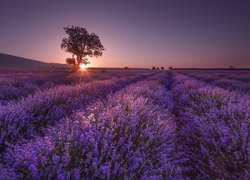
column 179, row 34
column 133, row 89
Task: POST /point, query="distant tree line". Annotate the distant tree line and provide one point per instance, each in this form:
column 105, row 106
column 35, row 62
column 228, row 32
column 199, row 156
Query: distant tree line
column 162, row 68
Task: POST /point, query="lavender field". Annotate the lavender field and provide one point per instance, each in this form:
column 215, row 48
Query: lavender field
column 125, row 124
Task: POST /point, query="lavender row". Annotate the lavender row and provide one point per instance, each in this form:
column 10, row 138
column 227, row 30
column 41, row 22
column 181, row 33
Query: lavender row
column 230, row 81
column 18, row 85
column 232, row 85
column 214, row 130
column 127, row 136
column 14, row 88
column 243, row 76
column 20, row 120
column 15, row 77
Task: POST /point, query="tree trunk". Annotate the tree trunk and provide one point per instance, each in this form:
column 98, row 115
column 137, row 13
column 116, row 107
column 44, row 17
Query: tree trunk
column 78, row 62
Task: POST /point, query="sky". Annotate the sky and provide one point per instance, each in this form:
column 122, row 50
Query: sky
column 135, row 33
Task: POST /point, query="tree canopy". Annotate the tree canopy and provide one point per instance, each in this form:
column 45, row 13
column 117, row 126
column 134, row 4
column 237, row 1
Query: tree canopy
column 81, row 44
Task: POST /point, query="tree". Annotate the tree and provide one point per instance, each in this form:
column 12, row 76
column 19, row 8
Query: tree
column 81, row 44
column 71, row 61
column 153, row 68
column 162, row 68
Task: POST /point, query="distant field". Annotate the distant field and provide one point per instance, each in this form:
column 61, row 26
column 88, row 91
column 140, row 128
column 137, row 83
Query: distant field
column 124, row 124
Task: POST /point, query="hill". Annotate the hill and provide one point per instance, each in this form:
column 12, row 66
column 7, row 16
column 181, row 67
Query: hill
column 10, row 62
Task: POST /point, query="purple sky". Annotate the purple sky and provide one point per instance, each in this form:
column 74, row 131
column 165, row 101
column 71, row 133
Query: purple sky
column 136, row 33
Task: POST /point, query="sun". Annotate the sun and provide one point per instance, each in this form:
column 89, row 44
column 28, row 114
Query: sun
column 83, row 67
